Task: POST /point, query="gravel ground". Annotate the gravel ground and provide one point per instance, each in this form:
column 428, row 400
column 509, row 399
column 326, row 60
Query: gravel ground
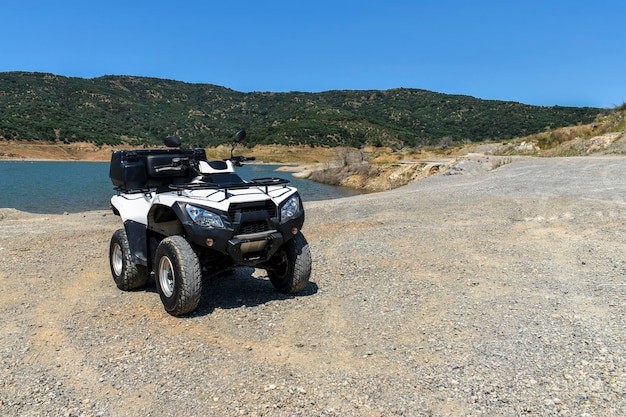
column 487, row 293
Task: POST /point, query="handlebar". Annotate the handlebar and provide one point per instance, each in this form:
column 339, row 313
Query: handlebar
column 239, row 160
column 178, row 164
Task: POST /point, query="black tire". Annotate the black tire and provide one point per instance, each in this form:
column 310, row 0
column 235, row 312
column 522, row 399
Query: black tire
column 126, row 274
column 291, row 266
column 178, row 275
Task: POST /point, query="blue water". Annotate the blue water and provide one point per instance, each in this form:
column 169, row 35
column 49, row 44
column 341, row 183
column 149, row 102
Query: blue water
column 58, row 187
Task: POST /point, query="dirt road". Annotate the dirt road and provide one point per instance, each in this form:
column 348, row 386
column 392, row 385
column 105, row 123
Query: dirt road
column 489, row 293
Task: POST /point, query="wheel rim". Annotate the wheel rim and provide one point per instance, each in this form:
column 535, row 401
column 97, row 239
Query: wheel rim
column 166, row 276
column 282, row 266
column 117, row 260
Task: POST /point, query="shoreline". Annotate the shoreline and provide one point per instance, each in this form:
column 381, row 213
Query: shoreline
column 99, row 189
column 363, row 171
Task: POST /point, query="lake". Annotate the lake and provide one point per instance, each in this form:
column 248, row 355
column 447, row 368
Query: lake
column 57, row 187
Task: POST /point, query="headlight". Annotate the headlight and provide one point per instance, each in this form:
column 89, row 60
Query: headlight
column 204, row 217
column 290, row 209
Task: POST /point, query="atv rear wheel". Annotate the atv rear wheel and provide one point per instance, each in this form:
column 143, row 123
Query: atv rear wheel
column 291, row 266
column 126, row 274
column 178, row 275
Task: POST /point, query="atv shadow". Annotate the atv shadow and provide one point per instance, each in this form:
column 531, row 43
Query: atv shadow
column 247, row 287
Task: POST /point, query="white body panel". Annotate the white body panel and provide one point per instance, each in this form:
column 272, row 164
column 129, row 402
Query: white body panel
column 135, row 206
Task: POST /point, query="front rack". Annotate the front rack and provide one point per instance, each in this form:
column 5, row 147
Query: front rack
column 257, row 182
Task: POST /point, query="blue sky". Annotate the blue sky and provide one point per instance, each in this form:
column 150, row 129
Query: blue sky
column 546, row 52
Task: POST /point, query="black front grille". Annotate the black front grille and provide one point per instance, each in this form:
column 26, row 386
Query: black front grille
column 253, row 217
column 253, row 227
column 268, row 206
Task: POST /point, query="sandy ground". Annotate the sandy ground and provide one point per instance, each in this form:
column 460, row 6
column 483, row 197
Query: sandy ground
column 486, row 293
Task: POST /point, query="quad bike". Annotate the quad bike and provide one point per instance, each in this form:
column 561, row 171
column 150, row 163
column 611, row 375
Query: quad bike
column 186, row 218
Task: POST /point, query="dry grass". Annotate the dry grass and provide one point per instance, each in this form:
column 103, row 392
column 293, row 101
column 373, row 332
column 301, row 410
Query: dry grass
column 35, row 150
column 605, row 134
column 280, row 154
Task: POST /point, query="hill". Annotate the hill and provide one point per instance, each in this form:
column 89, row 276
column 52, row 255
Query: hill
column 113, row 110
column 376, row 171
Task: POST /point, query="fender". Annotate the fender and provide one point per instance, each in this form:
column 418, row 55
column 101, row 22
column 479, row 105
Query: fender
column 132, row 207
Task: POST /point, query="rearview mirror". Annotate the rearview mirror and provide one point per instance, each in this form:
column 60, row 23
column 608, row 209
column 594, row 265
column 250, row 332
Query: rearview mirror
column 172, row 142
column 240, row 136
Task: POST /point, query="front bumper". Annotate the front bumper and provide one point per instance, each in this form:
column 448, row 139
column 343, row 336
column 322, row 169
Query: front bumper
column 250, row 249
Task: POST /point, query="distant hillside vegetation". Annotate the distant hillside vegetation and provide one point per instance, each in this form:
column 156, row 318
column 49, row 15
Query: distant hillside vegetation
column 138, row 110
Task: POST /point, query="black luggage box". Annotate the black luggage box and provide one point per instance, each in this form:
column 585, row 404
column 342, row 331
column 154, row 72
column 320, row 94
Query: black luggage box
column 139, row 170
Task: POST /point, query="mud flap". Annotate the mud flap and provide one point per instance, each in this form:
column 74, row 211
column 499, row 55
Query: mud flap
column 137, row 242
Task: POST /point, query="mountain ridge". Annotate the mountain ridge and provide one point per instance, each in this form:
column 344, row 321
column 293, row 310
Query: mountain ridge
column 134, row 110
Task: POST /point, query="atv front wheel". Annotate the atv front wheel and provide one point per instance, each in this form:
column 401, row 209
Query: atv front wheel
column 178, row 275
column 291, row 266
column 126, row 274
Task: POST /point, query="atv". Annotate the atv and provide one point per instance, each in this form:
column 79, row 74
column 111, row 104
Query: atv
column 187, row 218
